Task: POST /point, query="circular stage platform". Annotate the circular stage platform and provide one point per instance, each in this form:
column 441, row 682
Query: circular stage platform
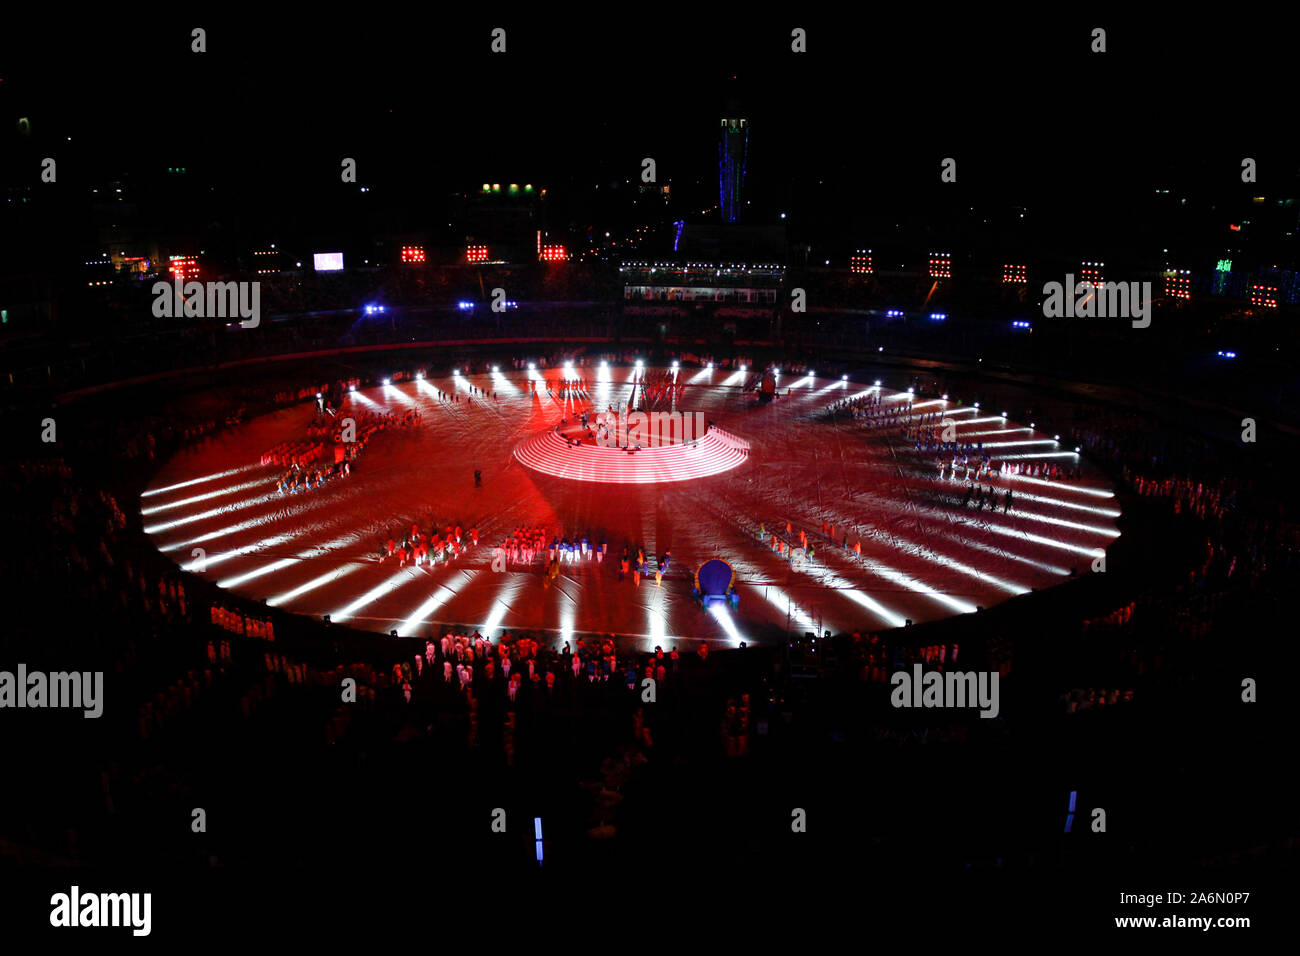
column 552, row 454
column 914, row 550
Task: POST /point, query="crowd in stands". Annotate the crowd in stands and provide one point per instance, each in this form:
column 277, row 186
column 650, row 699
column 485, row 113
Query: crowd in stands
column 149, row 436
column 1083, row 699
column 245, row 625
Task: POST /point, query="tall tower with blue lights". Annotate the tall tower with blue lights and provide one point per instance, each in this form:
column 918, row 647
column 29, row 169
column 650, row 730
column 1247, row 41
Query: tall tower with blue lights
column 733, row 145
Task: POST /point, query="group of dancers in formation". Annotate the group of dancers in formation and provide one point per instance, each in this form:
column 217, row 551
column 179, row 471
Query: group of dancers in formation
column 299, row 479
column 787, row 548
column 970, row 468
column 658, row 568
column 450, row 398
column 871, row 409
column 558, row 387
column 418, row 547
column 579, row 549
column 347, row 438
column 955, row 460
column 526, row 544
column 986, row 498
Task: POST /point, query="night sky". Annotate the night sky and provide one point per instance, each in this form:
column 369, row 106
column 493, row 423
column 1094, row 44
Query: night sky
column 846, row 139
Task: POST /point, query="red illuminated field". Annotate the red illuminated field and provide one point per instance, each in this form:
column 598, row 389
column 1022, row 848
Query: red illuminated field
column 922, row 555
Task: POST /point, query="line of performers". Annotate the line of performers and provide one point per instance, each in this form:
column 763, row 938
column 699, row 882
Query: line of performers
column 420, row 548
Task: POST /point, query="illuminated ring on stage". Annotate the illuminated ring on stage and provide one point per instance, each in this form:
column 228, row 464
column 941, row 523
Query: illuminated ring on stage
column 551, row 454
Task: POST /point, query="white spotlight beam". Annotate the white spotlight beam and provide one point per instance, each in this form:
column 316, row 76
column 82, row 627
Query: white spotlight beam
column 198, row 481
